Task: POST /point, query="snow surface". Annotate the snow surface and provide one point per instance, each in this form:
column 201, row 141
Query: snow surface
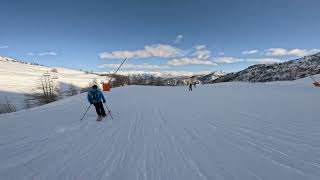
column 225, row 131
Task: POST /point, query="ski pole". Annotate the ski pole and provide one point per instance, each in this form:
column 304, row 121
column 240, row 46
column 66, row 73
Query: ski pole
column 85, row 112
column 108, row 110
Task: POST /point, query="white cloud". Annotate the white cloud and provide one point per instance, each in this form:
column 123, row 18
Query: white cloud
column 227, row 60
column 178, row 39
column 155, row 50
column 264, row 60
column 200, row 47
column 43, row 54
column 203, row 54
column 292, row 52
column 134, row 66
column 250, row 51
column 4, row 47
column 48, row 54
column 198, row 55
column 190, row 61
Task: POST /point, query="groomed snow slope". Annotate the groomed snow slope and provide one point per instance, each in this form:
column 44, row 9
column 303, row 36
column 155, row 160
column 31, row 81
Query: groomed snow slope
column 224, row 131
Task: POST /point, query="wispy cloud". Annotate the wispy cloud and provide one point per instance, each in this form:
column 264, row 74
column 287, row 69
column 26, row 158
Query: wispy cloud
column 4, row 47
column 290, row 52
column 250, row 51
column 198, row 55
column 134, row 66
column 155, row 50
column 48, row 54
column 178, row 39
column 265, row 60
column 200, row 47
column 228, row 60
column 203, row 54
column 190, row 61
column 43, row 54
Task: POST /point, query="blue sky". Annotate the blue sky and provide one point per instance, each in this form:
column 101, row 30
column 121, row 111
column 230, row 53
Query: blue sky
column 166, row 35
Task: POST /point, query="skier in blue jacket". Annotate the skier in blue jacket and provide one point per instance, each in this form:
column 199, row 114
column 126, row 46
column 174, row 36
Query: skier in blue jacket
column 96, row 98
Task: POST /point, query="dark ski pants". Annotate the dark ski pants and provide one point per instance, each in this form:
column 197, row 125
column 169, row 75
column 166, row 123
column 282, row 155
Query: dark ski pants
column 99, row 108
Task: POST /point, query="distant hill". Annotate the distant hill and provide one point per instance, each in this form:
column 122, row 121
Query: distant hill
column 165, row 78
column 211, row 76
column 19, row 78
column 287, row 71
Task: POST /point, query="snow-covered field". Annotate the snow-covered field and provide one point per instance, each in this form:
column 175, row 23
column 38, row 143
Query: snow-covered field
column 224, row 131
column 16, row 79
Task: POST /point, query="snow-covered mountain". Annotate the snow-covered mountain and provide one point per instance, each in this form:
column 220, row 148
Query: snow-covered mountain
column 160, row 79
column 166, row 78
column 209, row 77
column 161, row 74
column 18, row 78
column 290, row 70
column 222, row 131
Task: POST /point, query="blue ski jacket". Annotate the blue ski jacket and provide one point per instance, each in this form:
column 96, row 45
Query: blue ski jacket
column 98, row 96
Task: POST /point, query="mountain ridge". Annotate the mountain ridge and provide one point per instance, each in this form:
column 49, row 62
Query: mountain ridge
column 286, row 71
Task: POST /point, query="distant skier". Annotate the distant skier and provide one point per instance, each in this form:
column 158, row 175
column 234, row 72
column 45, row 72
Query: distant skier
column 190, row 87
column 96, row 98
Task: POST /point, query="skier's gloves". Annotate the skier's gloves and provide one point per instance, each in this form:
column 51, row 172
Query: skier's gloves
column 104, row 101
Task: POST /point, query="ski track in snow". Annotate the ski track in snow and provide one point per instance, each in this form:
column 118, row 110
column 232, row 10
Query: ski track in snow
column 224, row 131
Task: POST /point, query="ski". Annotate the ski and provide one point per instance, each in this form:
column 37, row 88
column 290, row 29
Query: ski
column 100, row 118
